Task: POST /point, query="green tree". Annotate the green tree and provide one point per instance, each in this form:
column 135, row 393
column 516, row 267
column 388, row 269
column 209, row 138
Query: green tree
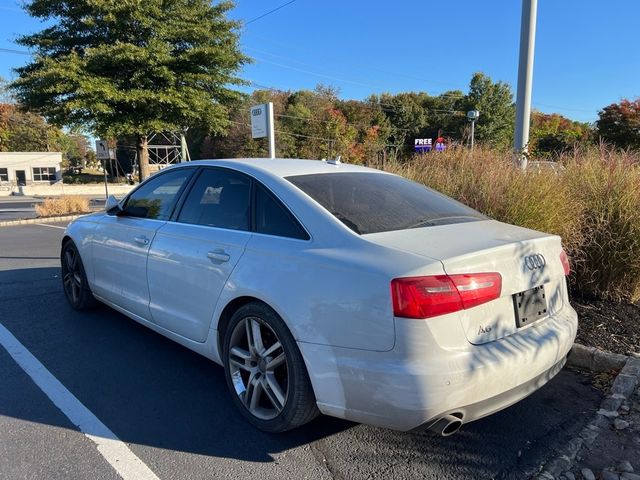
column 619, row 123
column 22, row 131
column 494, row 101
column 133, row 67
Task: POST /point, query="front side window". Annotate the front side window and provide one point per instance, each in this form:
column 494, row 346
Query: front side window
column 219, row 198
column 44, row 174
column 156, row 198
column 4, row 175
column 370, row 202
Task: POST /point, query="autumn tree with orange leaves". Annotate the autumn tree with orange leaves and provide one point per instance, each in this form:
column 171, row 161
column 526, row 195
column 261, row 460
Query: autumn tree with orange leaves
column 619, row 123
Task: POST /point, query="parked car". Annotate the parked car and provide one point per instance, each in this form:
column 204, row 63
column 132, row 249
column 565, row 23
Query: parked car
column 331, row 288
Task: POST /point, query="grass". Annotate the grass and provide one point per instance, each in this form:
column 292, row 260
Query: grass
column 66, row 205
column 593, row 203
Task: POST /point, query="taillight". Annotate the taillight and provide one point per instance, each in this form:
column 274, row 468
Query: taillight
column 565, row 262
column 424, row 297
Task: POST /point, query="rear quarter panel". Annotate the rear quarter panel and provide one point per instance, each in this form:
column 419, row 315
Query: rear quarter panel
column 329, row 296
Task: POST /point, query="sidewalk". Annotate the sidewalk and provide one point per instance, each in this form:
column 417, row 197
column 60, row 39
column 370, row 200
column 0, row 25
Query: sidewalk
column 615, row 453
column 608, row 448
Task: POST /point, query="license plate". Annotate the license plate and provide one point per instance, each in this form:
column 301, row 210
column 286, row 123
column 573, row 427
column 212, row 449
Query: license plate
column 530, row 305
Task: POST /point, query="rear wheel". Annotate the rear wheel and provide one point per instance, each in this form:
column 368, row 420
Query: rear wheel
column 265, row 371
column 74, row 279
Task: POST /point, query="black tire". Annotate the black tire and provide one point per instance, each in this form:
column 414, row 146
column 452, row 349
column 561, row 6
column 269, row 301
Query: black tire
column 74, row 279
column 290, row 377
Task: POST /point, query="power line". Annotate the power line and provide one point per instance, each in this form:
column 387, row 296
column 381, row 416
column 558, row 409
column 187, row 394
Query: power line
column 355, row 125
column 349, row 61
column 563, row 108
column 269, row 12
column 370, row 104
column 17, row 52
column 355, row 82
column 312, row 137
column 445, row 95
column 315, row 73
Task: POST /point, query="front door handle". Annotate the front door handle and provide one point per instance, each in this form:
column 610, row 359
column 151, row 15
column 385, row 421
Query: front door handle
column 219, row 256
column 141, row 240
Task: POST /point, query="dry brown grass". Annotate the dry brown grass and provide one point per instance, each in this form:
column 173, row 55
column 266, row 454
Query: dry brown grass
column 593, row 203
column 52, row 207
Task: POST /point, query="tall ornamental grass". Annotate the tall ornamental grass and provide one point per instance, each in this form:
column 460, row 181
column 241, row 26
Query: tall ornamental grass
column 591, row 199
column 52, row 207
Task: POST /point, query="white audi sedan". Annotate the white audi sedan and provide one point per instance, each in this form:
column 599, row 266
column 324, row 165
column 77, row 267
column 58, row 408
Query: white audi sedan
column 330, row 288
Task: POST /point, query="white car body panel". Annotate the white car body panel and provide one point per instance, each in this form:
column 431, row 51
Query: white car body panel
column 333, row 292
column 120, row 263
column 184, row 283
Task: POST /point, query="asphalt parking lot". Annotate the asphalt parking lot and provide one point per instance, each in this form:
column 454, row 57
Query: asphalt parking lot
column 172, row 410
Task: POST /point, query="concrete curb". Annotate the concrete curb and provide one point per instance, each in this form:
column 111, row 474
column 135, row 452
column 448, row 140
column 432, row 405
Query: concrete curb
column 590, row 358
column 621, row 390
column 31, row 221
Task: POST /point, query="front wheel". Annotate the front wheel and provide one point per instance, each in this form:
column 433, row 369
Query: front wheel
column 265, row 371
column 74, row 278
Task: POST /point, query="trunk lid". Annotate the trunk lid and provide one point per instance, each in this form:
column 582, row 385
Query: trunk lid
column 489, row 246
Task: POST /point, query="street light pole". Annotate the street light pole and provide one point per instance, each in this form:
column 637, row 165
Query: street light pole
column 473, row 128
column 473, row 115
column 525, row 80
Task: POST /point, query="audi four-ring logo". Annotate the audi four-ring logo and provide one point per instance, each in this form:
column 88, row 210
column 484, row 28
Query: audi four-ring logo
column 535, row 261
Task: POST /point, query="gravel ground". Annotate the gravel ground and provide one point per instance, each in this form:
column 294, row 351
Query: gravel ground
column 610, row 326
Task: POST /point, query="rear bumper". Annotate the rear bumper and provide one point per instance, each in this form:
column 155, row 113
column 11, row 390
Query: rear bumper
column 420, row 380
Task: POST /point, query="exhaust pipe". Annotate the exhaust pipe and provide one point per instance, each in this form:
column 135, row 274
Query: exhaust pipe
column 446, row 425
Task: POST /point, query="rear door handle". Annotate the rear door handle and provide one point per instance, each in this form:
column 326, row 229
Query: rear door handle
column 141, row 240
column 218, row 256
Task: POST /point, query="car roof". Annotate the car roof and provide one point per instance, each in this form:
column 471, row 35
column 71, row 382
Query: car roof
column 285, row 167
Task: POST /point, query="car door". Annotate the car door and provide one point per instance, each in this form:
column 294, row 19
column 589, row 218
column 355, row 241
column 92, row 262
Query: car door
column 192, row 257
column 121, row 241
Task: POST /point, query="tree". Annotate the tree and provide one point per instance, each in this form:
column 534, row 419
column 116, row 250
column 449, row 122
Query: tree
column 497, row 110
column 552, row 134
column 619, row 123
column 121, row 68
column 22, row 131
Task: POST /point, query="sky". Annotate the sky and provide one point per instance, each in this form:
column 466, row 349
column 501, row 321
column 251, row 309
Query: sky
column 586, row 57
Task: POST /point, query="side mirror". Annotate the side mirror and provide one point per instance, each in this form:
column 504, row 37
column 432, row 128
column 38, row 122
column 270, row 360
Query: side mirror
column 112, row 206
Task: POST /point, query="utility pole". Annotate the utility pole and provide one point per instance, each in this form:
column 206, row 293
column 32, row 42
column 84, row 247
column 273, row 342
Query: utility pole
column 525, row 80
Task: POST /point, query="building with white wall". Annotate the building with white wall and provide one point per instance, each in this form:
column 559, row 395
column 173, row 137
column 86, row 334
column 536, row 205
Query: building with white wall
column 29, row 168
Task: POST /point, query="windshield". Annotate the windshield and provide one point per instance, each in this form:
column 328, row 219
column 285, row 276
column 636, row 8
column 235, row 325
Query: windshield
column 369, row 202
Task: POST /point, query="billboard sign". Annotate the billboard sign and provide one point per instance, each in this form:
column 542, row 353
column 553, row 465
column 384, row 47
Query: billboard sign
column 259, row 121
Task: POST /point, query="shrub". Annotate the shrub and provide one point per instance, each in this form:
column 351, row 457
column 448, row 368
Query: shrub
column 608, row 186
column 51, row 207
column 592, row 202
column 490, row 182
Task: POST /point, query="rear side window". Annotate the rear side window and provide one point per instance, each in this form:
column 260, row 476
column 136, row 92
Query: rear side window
column 369, row 202
column 273, row 218
column 218, row 198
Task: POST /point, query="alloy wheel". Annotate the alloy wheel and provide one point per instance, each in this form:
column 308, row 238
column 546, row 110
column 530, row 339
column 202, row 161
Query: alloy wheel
column 258, row 367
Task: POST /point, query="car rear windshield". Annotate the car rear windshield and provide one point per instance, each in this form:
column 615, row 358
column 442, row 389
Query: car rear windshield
column 369, row 202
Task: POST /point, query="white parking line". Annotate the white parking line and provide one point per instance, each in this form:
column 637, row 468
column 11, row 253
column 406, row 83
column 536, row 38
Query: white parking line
column 119, row 456
column 50, row 226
